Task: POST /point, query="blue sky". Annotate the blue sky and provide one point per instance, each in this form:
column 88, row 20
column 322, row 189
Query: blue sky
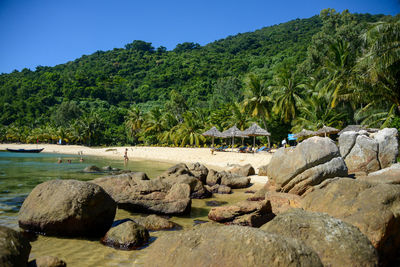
column 51, row 32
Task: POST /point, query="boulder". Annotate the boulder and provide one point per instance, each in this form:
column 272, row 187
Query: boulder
column 158, row 196
column 262, row 171
column 347, row 141
column 245, row 170
column 373, row 208
column 197, row 189
column 297, row 170
column 127, row 236
column 234, row 181
column 155, row 223
column 388, row 146
column 47, row 261
column 337, row 243
column 14, row 248
column 363, row 157
column 390, row 175
column 281, row 202
column 223, row 189
column 67, row 208
column 213, row 177
column 91, row 169
column 199, row 171
column 228, row 246
column 246, row 213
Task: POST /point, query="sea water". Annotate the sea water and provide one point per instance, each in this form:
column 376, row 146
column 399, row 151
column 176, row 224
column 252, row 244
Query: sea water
column 20, row 173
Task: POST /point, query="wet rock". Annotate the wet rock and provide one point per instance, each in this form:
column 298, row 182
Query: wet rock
column 47, row 261
column 337, row 243
column 67, row 208
column 223, row 189
column 215, row 203
column 212, row 246
column 373, row 208
column 246, row 213
column 127, row 236
column 297, row 170
column 14, row 248
column 106, row 168
column 245, row 170
column 92, row 168
column 199, row 171
column 158, row 196
column 155, row 223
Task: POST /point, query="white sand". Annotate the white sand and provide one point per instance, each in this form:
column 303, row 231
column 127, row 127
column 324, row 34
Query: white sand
column 219, row 161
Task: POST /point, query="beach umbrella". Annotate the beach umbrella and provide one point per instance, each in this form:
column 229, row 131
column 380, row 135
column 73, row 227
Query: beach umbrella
column 255, row 130
column 304, row 133
column 213, row 132
column 233, row 132
column 327, row 130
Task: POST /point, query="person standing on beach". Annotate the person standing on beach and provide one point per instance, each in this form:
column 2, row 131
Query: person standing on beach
column 126, row 156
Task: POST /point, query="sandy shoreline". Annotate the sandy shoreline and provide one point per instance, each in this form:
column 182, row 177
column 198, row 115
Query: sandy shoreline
column 219, row 161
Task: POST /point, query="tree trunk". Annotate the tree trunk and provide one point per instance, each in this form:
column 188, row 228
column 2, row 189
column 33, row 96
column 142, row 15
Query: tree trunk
column 265, row 127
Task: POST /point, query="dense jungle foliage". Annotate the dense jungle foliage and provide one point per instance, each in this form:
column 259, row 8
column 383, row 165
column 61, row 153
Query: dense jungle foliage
column 333, row 69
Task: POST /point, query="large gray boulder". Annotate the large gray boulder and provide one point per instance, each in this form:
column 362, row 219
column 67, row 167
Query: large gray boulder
column 337, row 243
column 297, row 170
column 368, row 152
column 14, row 248
column 67, row 208
column 228, row 246
column 245, row 170
column 390, row 175
column 149, row 196
column 227, row 178
column 373, row 208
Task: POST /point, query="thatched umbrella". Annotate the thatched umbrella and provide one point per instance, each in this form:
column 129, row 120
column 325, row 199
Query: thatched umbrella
column 255, row 130
column 213, row 132
column 304, row 133
column 233, row 132
column 327, row 130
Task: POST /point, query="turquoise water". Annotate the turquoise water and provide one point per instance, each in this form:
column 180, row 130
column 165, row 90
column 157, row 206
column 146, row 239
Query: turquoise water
column 20, row 173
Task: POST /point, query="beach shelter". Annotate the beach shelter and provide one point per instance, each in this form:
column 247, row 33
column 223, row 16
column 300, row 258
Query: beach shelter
column 233, row 132
column 213, row 132
column 304, row 133
column 327, row 130
column 255, row 130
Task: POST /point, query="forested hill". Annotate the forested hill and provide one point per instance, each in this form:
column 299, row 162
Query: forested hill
column 110, row 82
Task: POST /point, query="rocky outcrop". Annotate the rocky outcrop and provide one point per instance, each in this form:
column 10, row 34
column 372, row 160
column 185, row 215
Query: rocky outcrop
column 390, row 175
column 228, row 246
column 127, row 236
column 297, row 170
column 368, row 152
column 67, row 208
column 14, row 248
column 246, row 213
column 262, row 171
column 337, row 243
column 47, row 261
column 245, row 170
column 281, row 202
column 155, row 223
column 373, row 208
column 149, row 196
column 199, row 171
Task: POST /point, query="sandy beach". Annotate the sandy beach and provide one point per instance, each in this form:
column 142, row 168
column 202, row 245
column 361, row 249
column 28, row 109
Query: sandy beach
column 219, row 161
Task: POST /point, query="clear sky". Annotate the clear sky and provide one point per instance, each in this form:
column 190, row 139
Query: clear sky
column 51, row 32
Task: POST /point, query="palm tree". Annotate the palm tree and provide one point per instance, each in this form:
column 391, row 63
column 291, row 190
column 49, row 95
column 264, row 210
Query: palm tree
column 286, row 95
column 256, row 100
column 190, row 130
column 134, row 121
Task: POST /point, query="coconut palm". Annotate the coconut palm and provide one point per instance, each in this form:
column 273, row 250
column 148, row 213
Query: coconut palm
column 190, row 130
column 134, row 121
column 256, row 99
column 286, row 94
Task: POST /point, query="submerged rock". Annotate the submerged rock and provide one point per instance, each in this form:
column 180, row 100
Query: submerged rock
column 67, row 208
column 337, row 243
column 127, row 236
column 92, row 168
column 14, row 248
column 155, row 223
column 47, row 261
column 228, row 246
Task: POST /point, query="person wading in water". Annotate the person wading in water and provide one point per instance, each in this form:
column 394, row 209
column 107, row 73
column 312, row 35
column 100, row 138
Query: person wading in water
column 126, row 156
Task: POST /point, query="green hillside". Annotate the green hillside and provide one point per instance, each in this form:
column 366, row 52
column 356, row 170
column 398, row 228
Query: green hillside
column 191, row 82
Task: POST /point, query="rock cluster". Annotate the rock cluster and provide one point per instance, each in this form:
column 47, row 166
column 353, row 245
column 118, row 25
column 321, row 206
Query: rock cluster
column 368, row 152
column 297, row 170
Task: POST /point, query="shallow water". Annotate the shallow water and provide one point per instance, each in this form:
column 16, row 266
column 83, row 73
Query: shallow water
column 20, row 173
